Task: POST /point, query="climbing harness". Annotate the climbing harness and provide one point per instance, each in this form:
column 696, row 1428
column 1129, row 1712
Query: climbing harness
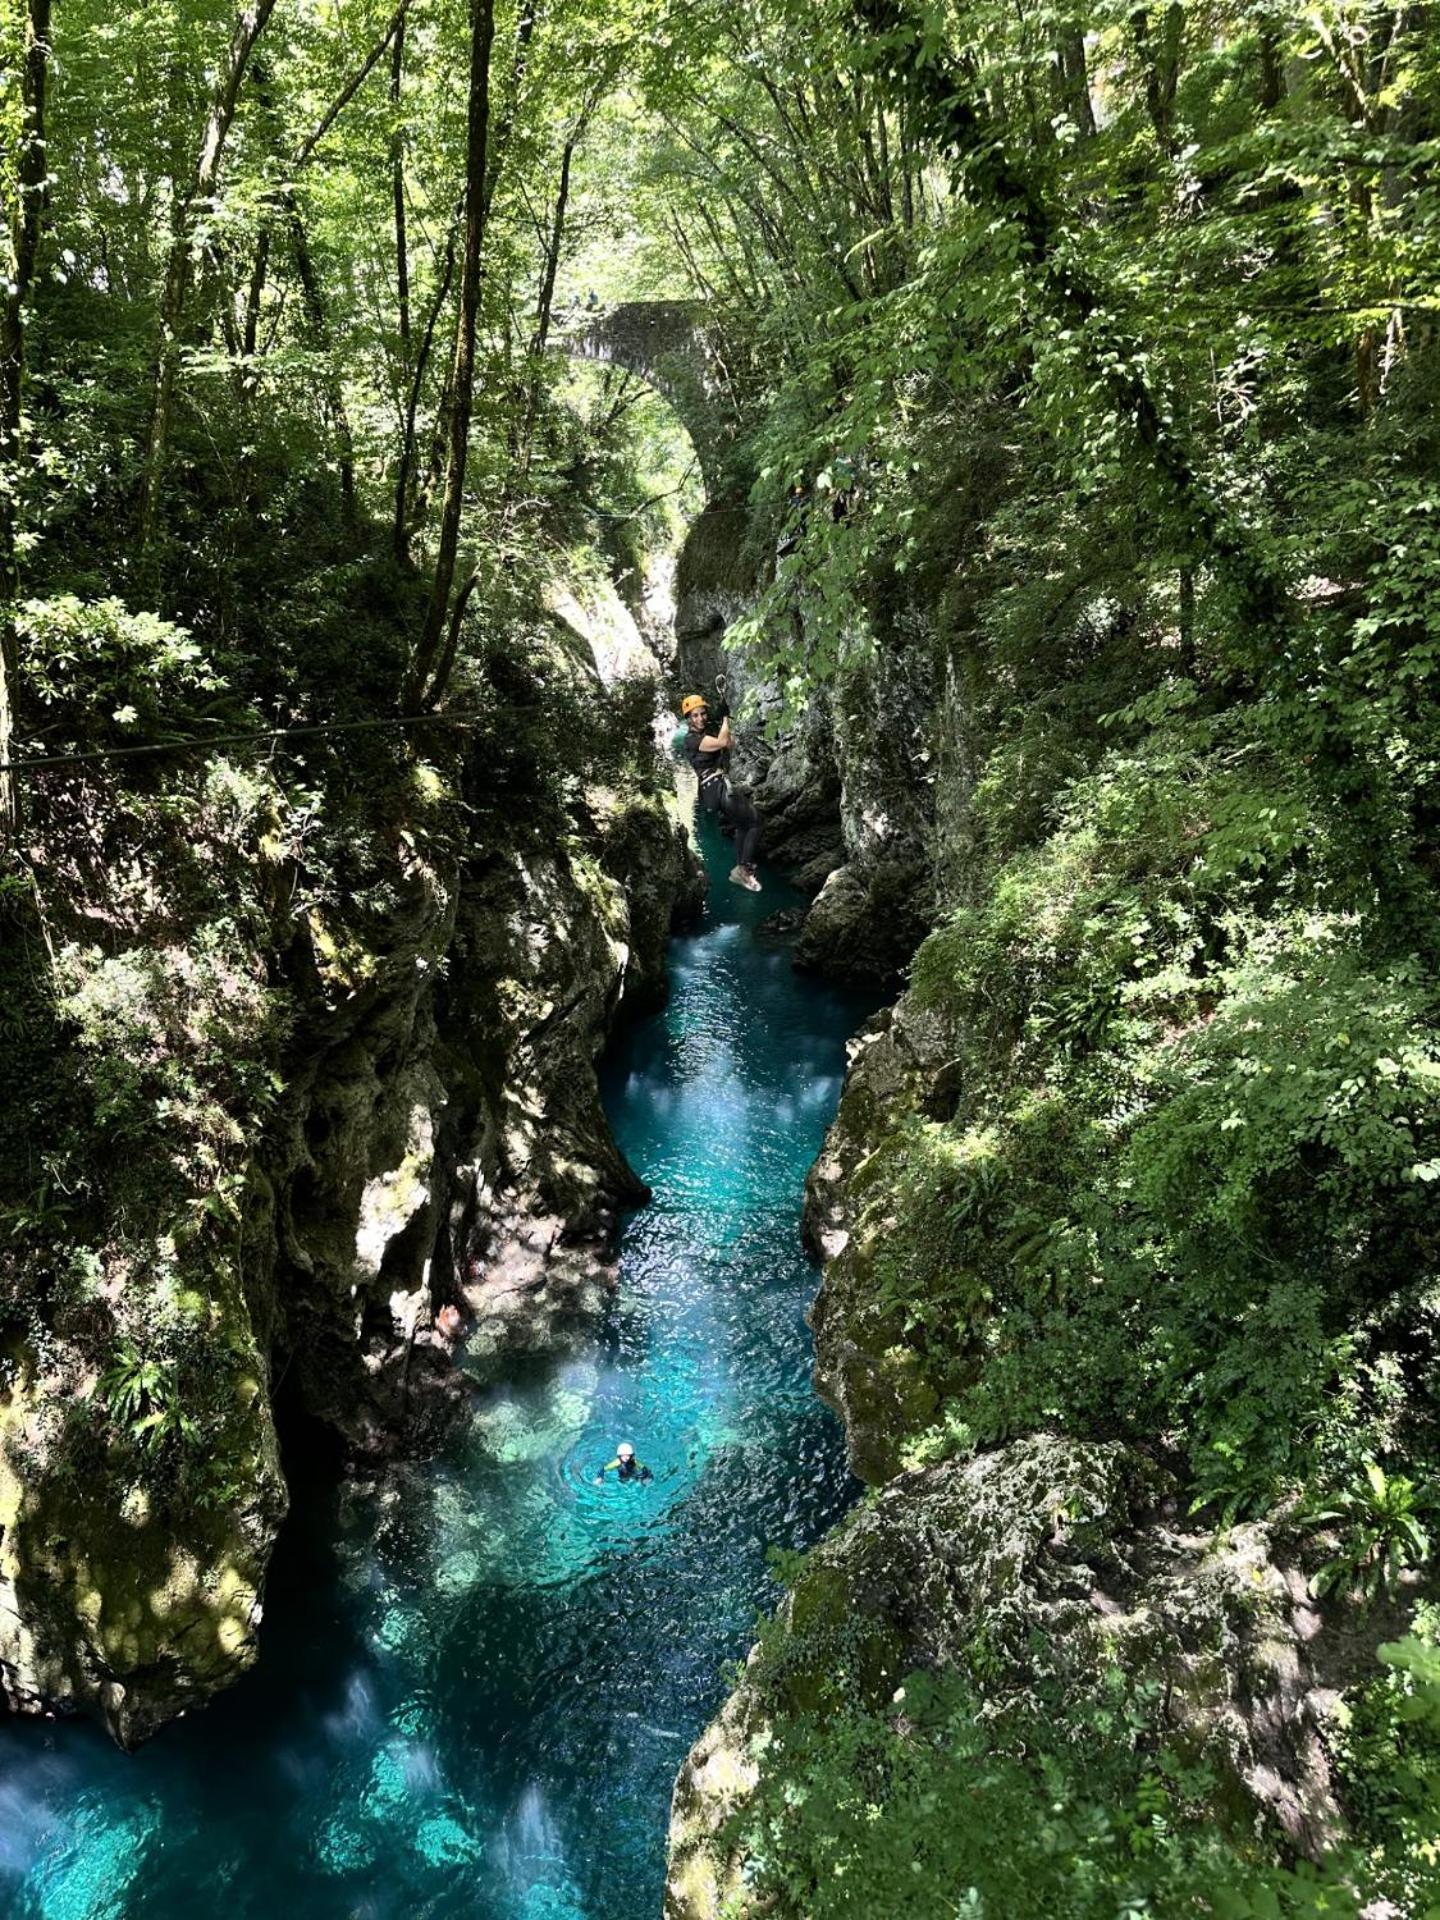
column 714, row 790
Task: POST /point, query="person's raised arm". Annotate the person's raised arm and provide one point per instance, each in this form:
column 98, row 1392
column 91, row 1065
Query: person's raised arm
column 714, row 742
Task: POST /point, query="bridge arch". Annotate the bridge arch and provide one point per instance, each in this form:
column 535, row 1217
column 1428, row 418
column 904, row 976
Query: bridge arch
column 673, row 347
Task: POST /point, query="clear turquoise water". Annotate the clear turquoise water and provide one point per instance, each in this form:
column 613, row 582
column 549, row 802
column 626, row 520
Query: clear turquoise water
column 480, row 1711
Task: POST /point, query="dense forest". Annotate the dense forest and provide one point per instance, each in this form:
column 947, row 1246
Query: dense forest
column 1033, row 412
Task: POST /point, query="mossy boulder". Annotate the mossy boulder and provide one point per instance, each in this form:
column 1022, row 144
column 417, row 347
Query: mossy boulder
column 131, row 1576
column 1032, row 1574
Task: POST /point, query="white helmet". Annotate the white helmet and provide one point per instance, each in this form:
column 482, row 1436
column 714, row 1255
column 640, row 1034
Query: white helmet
column 625, row 1451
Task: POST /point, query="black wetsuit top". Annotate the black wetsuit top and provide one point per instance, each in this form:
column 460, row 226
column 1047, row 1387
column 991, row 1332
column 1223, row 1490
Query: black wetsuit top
column 706, row 765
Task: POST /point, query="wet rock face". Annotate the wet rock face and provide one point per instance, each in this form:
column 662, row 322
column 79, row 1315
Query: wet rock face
column 538, row 1182
column 1063, row 1561
column 875, row 908
column 714, row 584
column 796, row 785
column 866, row 921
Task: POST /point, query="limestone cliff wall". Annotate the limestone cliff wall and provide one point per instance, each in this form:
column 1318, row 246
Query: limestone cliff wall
column 418, row 1126
column 1040, row 1569
column 846, row 792
column 1048, row 1564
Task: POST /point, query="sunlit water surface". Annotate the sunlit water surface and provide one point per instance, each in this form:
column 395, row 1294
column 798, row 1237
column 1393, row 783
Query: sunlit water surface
column 480, row 1709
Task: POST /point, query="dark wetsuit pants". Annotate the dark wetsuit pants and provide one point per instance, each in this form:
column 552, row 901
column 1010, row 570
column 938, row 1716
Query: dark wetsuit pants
column 737, row 811
column 718, row 796
column 741, row 814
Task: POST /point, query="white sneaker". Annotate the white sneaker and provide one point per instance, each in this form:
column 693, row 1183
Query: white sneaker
column 748, row 880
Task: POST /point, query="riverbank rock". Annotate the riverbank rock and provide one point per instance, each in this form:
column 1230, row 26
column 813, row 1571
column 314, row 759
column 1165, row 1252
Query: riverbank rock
column 120, row 1595
column 1030, row 1573
column 875, row 1379
column 324, row 1065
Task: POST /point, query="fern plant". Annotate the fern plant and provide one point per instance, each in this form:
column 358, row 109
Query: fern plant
column 143, row 1396
column 1384, row 1534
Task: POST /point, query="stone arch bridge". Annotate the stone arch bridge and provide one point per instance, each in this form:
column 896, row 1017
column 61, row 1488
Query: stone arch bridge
column 675, row 348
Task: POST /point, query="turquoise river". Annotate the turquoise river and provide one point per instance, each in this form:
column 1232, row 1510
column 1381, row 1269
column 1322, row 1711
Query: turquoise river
column 477, row 1706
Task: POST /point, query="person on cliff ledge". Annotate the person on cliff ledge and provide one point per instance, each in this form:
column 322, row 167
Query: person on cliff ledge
column 625, row 1465
column 708, row 753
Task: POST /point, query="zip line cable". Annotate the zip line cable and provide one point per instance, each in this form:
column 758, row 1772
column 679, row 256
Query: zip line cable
column 37, row 761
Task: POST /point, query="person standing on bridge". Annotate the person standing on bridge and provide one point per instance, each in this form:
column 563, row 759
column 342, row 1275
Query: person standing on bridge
column 709, row 754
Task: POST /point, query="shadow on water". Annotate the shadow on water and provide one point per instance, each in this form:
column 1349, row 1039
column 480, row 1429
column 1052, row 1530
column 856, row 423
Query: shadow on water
column 477, row 1706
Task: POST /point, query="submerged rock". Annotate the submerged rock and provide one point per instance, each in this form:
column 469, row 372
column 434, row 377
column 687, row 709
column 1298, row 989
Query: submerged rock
column 783, row 925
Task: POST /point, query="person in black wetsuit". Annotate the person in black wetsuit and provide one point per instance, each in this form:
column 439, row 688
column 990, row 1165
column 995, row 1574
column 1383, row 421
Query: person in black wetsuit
column 625, row 1465
column 707, row 753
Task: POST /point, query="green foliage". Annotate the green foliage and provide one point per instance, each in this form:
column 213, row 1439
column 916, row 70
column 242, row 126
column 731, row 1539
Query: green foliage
column 886, row 1792
column 1189, row 1167
column 1380, row 1518
column 134, row 668
column 937, row 1803
column 1390, row 1760
column 144, row 1396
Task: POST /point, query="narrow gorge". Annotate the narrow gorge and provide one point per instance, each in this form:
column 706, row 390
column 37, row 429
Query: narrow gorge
column 540, row 1382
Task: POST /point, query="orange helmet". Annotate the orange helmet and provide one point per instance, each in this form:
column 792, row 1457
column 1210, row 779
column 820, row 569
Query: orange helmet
column 690, row 703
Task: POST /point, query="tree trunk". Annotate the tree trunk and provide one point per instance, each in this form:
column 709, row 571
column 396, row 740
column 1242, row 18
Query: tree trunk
column 394, row 29
column 543, row 308
column 397, row 193
column 318, row 320
column 24, row 247
column 500, row 146
column 254, row 295
column 1187, row 621
column 284, row 201
column 1162, row 70
column 405, row 476
column 248, row 28
column 1272, row 67
column 417, row 687
column 1074, row 80
column 497, row 147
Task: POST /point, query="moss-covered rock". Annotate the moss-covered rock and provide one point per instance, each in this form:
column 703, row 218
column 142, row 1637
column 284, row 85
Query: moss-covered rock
column 880, row 1383
column 1030, row 1577
column 310, row 1067
column 127, row 1588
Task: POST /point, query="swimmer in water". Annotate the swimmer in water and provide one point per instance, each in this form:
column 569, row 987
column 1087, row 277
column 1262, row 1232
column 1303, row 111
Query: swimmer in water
column 625, row 1465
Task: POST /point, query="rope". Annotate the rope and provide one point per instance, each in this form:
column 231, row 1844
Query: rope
column 36, row 761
